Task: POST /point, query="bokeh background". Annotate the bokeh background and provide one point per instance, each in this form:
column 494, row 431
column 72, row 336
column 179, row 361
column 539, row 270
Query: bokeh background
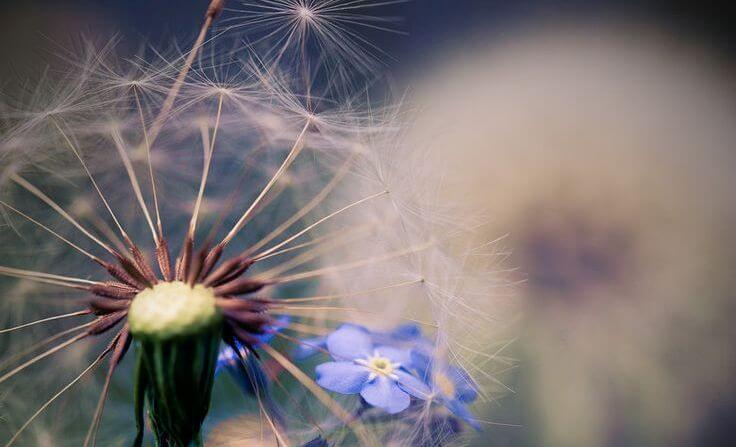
column 598, row 138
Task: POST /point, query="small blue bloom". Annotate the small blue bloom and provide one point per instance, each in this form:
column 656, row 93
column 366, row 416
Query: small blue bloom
column 374, row 372
column 229, row 359
column 451, row 386
column 242, row 366
column 245, row 369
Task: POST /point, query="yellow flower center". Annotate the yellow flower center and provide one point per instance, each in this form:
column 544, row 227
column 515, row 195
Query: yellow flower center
column 444, row 384
column 170, row 309
column 379, row 365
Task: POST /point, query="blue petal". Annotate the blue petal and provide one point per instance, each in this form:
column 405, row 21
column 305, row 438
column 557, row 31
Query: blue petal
column 354, row 326
column 226, row 359
column 412, row 385
column 342, row 377
column 394, row 354
column 461, row 410
column 384, row 393
column 271, row 330
column 349, row 343
column 406, row 332
column 248, row 374
column 465, row 390
column 421, row 361
column 309, row 346
column 319, row 441
column 397, row 336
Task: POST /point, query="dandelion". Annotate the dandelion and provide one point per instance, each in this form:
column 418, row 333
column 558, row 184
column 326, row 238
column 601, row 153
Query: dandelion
column 214, row 202
column 616, row 248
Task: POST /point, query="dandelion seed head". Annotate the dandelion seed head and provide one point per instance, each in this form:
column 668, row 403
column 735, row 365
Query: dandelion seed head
column 264, row 186
column 592, row 260
column 172, row 309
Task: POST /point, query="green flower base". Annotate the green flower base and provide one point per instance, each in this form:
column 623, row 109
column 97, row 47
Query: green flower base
column 175, row 366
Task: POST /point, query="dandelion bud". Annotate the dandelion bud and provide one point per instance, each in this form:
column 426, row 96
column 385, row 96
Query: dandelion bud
column 178, row 328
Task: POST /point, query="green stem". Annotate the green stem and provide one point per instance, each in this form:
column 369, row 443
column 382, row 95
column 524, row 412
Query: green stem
column 176, row 375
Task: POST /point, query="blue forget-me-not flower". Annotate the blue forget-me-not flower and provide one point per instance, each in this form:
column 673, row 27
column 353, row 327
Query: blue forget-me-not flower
column 377, row 373
column 246, row 370
column 451, row 386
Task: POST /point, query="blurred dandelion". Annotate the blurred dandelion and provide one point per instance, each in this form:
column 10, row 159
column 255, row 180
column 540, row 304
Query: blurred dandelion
column 210, row 212
column 606, row 154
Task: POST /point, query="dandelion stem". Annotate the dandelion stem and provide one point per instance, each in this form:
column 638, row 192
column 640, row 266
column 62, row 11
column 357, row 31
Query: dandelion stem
column 307, row 329
column 213, row 10
column 297, row 247
column 295, row 150
column 105, row 229
column 147, row 143
column 279, row 436
column 359, row 429
column 304, row 210
column 335, row 239
column 42, row 356
column 302, row 342
column 209, row 148
column 343, row 309
column 54, row 233
column 44, row 320
column 350, row 265
column 91, row 178
column 56, row 396
column 302, row 413
column 341, row 233
column 351, row 294
column 53, row 338
column 319, row 222
column 49, row 278
column 120, row 344
column 117, row 138
column 247, row 165
column 491, row 357
column 47, row 200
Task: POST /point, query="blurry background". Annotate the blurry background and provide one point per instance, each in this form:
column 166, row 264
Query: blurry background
column 599, row 136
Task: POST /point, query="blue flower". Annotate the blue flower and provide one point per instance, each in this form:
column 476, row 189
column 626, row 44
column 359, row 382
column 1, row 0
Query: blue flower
column 229, row 359
column 246, row 370
column 374, row 372
column 451, row 386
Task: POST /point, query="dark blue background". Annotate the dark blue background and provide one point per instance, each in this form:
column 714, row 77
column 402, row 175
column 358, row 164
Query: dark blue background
column 428, row 22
